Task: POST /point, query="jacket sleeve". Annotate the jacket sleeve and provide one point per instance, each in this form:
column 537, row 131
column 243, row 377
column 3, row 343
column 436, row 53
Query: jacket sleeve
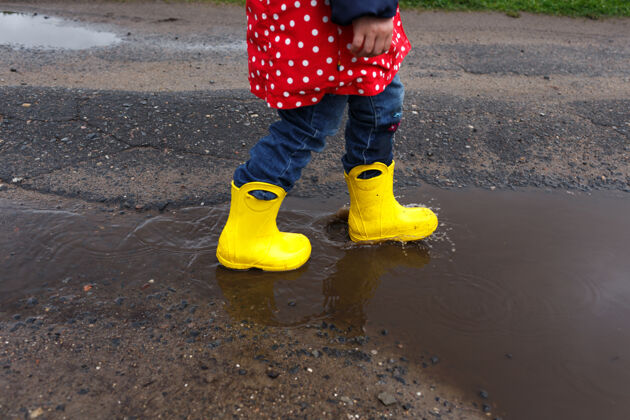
column 345, row 11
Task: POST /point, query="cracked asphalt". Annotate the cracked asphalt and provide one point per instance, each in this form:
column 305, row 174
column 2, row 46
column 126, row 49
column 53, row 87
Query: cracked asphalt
column 164, row 117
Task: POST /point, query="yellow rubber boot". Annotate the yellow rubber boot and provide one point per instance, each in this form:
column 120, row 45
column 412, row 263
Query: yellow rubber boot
column 376, row 216
column 251, row 239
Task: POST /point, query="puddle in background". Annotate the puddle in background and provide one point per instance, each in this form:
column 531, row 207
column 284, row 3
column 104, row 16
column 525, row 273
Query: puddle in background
column 43, row 32
column 541, row 277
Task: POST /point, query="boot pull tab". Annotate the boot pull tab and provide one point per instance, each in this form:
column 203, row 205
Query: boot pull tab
column 263, row 195
column 261, row 204
column 370, row 173
column 366, row 172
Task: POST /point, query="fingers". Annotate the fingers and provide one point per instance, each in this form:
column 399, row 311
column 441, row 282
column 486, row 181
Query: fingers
column 357, row 43
column 368, row 46
column 372, row 46
column 372, row 36
column 380, row 45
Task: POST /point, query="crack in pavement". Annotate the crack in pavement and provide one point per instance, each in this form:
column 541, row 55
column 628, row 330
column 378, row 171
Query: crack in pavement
column 131, row 146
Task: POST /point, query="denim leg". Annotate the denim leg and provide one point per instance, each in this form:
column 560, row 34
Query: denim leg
column 372, row 122
column 279, row 157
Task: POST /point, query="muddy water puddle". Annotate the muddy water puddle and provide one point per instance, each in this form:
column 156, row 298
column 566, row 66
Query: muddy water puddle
column 524, row 295
column 45, row 32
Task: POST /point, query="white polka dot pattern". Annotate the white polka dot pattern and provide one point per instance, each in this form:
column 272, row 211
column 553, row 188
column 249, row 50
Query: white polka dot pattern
column 295, row 50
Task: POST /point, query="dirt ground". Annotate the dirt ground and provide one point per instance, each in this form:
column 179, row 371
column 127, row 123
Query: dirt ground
column 160, row 121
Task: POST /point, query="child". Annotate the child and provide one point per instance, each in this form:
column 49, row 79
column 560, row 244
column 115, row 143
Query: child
column 308, row 59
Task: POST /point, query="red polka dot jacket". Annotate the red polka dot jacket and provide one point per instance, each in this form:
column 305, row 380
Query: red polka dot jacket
column 299, row 50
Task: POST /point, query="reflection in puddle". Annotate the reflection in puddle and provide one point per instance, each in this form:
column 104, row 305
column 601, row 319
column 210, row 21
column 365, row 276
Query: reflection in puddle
column 541, row 278
column 346, row 290
column 43, row 32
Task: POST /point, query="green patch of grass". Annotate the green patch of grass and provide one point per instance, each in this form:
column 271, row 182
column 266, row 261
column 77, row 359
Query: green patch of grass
column 586, row 8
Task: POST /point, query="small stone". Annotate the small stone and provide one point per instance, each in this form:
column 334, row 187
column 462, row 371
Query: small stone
column 242, row 372
column 83, row 391
column 3, row 187
column 32, row 301
column 316, row 353
column 384, row 332
column 214, row 344
column 486, row 408
column 435, row 360
column 13, row 70
column 483, row 394
column 36, row 413
column 347, row 400
column 273, row 374
column 26, row 105
column 386, row 398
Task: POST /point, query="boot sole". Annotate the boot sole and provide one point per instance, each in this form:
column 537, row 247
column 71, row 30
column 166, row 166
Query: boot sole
column 396, row 238
column 245, row 267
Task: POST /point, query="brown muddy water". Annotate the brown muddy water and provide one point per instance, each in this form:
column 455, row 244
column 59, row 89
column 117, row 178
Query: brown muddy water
column 524, row 295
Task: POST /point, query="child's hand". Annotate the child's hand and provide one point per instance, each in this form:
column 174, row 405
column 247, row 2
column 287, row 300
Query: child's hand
column 372, row 36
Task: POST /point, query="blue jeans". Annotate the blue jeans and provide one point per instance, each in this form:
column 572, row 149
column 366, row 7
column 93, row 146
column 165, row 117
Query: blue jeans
column 279, row 157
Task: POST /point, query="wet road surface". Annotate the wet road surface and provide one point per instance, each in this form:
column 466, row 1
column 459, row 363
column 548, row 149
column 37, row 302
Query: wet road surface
column 114, row 171
column 522, row 295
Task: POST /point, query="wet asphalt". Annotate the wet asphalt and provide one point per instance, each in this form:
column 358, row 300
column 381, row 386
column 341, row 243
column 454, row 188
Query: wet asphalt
column 155, row 150
column 160, row 121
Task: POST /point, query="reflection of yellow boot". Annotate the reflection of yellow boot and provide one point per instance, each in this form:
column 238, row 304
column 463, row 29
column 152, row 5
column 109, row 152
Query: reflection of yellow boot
column 359, row 273
column 250, row 295
column 251, row 239
column 375, row 215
